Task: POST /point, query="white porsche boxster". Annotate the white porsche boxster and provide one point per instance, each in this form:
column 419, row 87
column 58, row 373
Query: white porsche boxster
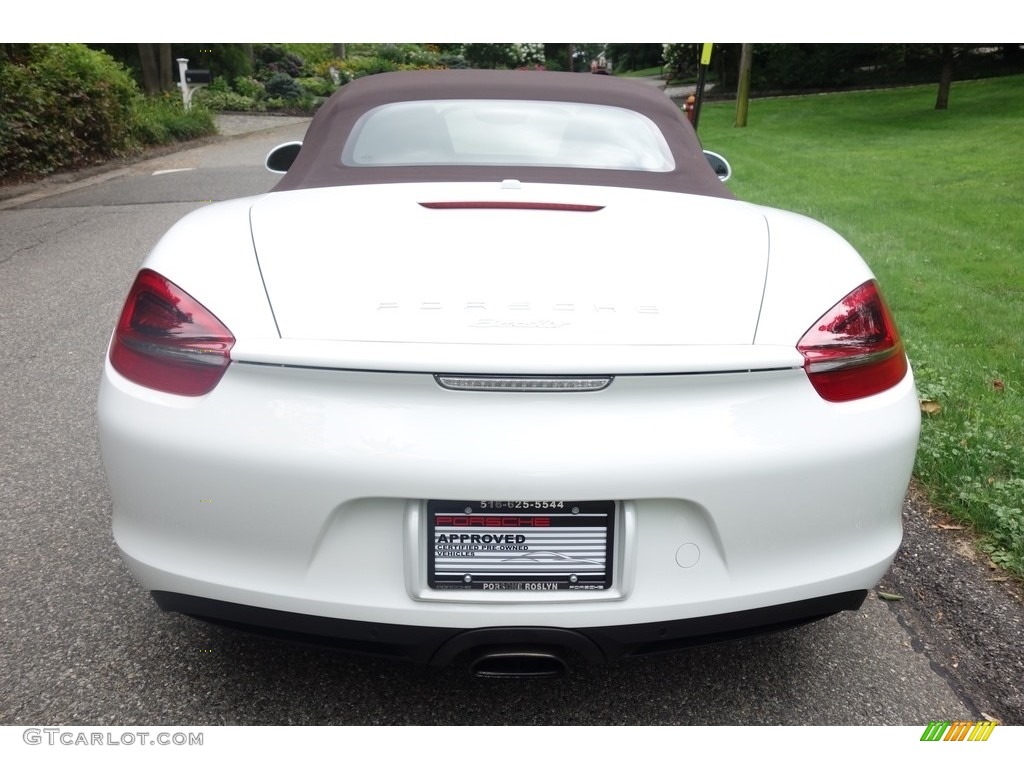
column 456, row 390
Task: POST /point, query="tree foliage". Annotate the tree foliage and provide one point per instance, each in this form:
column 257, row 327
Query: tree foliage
column 503, row 55
column 228, row 60
column 626, row 57
column 806, row 67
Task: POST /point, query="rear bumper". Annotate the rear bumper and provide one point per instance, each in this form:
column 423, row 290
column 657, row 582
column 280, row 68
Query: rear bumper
column 302, row 493
column 440, row 646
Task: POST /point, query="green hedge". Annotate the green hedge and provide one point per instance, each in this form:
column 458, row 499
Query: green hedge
column 62, row 106
column 65, row 106
column 163, row 120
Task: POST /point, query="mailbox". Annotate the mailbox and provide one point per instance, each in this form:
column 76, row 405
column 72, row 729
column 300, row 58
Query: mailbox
column 190, row 81
column 197, row 76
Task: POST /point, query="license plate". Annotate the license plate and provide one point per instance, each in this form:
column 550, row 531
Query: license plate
column 525, row 546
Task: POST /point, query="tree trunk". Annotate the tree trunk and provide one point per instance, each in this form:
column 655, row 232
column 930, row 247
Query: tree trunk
column 946, row 78
column 339, row 50
column 167, row 67
column 743, row 88
column 150, row 69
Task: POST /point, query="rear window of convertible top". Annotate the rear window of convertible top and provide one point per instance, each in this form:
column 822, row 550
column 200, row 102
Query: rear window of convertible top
column 507, row 132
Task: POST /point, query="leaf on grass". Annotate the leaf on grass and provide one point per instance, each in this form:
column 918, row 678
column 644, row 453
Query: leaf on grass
column 931, row 407
column 889, row 596
column 998, row 385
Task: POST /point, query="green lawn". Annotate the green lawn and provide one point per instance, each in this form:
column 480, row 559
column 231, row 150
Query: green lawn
column 934, row 201
column 649, row 72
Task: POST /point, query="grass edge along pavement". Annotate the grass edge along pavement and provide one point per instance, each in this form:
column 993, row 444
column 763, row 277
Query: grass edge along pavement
column 932, row 200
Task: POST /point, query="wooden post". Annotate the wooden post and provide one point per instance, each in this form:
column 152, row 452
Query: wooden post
column 743, row 88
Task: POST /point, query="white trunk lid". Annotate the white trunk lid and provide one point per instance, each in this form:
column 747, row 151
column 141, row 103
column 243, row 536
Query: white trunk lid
column 371, row 264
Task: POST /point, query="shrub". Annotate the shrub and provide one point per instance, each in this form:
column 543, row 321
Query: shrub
column 452, row 61
column 341, row 68
column 63, row 106
column 250, row 87
column 680, row 59
column 272, row 60
column 164, row 119
column 247, row 95
column 422, row 57
column 504, row 55
column 370, row 65
column 218, row 100
column 529, row 54
column 66, row 106
column 491, row 55
column 311, row 54
column 390, row 52
column 283, row 87
column 316, row 86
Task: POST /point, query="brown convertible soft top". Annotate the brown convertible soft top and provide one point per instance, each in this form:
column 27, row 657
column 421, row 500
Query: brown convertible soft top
column 319, row 162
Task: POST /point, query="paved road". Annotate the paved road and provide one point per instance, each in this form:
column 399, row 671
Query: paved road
column 81, row 643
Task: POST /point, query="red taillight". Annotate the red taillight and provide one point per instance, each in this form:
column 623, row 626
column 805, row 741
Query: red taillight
column 167, row 340
column 854, row 350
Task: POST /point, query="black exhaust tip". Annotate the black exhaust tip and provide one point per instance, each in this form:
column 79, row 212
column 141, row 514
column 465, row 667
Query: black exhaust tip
column 535, row 664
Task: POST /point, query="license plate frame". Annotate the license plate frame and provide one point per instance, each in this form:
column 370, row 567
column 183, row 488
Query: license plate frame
column 520, row 546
